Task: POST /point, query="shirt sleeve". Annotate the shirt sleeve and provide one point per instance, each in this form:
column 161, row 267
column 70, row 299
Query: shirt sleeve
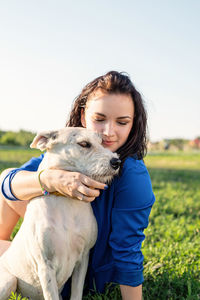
column 31, row 165
column 133, row 202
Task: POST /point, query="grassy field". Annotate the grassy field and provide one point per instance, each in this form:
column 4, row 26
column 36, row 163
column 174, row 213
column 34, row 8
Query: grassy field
column 172, row 245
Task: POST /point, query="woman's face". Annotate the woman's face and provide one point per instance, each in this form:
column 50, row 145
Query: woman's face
column 111, row 115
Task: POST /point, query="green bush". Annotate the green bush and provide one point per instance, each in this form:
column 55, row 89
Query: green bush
column 20, row 138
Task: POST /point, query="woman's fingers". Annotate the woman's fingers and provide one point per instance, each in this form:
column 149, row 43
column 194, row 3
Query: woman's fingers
column 84, row 193
column 88, row 191
column 83, row 197
column 92, row 183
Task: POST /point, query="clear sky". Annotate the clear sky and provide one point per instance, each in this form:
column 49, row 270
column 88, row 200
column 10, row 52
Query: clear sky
column 50, row 49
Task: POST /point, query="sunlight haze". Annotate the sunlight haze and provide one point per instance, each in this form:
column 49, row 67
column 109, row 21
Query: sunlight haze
column 51, row 49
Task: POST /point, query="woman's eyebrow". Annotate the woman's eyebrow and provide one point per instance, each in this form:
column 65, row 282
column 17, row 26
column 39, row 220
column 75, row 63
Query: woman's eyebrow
column 124, row 117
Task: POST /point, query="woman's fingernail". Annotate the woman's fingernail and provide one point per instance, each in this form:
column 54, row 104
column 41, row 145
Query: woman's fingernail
column 105, row 187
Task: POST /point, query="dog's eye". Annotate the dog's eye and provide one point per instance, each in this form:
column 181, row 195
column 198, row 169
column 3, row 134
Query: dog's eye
column 85, row 144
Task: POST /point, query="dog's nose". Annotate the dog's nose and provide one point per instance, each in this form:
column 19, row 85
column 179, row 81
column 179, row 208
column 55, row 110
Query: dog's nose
column 115, row 163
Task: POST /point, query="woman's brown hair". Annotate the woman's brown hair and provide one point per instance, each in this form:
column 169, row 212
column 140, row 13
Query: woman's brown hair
column 115, row 82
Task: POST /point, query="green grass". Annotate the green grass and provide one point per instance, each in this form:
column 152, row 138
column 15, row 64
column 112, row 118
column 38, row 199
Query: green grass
column 172, row 245
column 13, row 157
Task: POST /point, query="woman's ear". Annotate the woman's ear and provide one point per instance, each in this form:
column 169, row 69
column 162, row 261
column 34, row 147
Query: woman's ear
column 83, row 117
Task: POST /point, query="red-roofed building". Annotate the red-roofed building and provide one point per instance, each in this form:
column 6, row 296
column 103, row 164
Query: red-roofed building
column 195, row 143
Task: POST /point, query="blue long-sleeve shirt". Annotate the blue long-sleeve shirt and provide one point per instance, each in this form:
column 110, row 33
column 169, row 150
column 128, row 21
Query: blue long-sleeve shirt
column 122, row 213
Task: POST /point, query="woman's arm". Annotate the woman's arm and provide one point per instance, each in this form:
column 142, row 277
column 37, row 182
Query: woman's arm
column 131, row 293
column 25, row 184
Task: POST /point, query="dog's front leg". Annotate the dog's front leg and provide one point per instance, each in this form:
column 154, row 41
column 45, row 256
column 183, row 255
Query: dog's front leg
column 78, row 278
column 8, row 283
column 48, row 282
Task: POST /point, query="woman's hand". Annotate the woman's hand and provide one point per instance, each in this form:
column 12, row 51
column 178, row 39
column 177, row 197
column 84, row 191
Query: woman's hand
column 73, row 184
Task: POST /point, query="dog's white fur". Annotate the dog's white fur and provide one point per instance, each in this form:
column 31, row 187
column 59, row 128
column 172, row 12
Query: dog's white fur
column 57, row 233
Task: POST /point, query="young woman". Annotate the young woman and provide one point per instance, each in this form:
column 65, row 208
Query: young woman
column 111, row 106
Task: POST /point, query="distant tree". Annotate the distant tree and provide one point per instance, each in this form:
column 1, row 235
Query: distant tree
column 24, row 138
column 20, row 138
column 2, row 133
column 9, row 138
column 178, row 143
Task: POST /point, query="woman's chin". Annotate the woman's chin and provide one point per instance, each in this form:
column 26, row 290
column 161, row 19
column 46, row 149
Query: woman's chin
column 112, row 147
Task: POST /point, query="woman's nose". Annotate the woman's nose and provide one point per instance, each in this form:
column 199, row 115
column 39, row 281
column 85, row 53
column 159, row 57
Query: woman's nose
column 108, row 129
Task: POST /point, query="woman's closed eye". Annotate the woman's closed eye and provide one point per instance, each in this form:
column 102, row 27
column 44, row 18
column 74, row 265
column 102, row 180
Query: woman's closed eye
column 122, row 123
column 99, row 120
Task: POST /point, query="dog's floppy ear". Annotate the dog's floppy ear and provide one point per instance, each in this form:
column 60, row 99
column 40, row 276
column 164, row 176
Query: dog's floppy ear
column 44, row 140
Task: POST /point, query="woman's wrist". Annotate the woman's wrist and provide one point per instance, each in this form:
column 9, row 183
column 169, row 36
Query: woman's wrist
column 28, row 179
column 45, row 179
column 44, row 191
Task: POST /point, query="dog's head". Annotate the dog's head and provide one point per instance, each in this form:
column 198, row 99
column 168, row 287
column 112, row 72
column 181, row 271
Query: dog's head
column 77, row 149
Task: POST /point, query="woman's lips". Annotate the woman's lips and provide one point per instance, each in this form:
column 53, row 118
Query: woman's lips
column 108, row 143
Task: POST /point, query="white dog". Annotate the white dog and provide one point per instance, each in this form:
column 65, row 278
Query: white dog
column 57, row 233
